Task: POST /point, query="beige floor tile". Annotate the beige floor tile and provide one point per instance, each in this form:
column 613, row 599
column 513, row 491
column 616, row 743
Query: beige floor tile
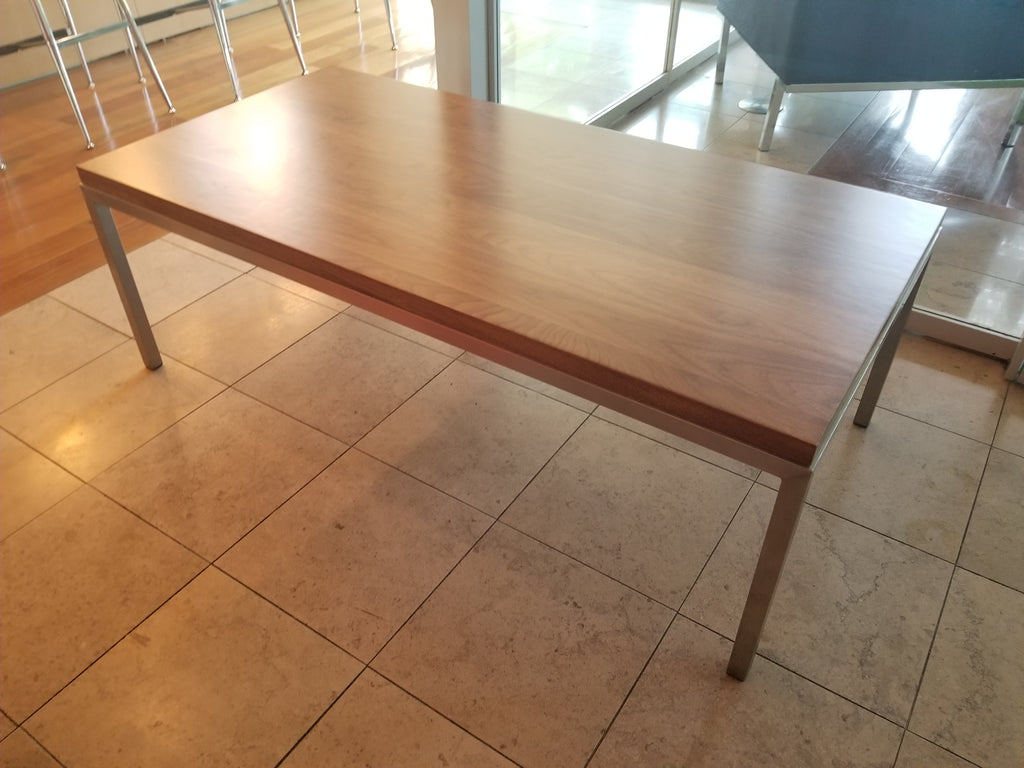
column 526, row 649
column 238, row 327
column 791, row 150
column 444, row 348
column 573, row 101
column 169, row 277
column 678, row 124
column 658, row 435
column 29, row 484
column 634, row 509
column 904, row 478
column 21, row 751
column 213, row 476
column 973, row 297
column 473, row 435
column 916, row 752
column 994, row 545
column 1010, row 433
column 812, row 114
column 356, row 551
column 44, row 340
column 699, row 91
column 73, row 582
column 7, row 726
column 527, row 381
column 211, row 253
column 377, row 724
column 345, row 377
column 217, row 677
column 297, row 288
column 103, row 411
column 946, row 387
column 971, row 694
column 981, row 244
column 854, row 611
column 685, row 711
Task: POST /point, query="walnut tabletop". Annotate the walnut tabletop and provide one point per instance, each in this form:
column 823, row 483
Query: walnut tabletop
column 741, row 298
column 733, row 304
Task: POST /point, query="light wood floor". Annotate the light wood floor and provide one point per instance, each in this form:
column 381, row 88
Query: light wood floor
column 46, row 237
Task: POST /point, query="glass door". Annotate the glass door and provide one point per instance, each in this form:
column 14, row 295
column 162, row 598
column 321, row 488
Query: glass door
column 592, row 60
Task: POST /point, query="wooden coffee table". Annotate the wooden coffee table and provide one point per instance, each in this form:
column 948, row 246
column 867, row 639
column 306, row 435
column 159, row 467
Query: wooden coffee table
column 734, row 305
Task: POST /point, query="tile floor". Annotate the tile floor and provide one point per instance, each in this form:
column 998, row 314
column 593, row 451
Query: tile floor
column 433, row 561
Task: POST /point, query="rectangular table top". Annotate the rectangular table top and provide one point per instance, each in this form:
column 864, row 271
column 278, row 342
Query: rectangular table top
column 738, row 298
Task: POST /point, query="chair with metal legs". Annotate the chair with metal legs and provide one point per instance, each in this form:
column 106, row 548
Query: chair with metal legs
column 54, row 45
column 220, row 24
column 391, row 23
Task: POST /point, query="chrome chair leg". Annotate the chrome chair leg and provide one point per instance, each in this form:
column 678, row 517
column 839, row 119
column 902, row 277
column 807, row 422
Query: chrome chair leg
column 136, row 33
column 130, row 42
column 53, row 46
column 391, row 25
column 391, row 22
column 62, row 72
column 291, row 22
column 70, row 21
column 220, row 24
column 723, row 51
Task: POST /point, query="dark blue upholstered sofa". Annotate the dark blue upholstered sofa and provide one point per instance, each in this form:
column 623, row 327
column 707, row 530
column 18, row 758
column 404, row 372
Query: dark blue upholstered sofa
column 879, row 44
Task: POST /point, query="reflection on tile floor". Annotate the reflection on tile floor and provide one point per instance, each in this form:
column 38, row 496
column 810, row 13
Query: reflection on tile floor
column 343, row 543
column 454, row 565
column 977, row 270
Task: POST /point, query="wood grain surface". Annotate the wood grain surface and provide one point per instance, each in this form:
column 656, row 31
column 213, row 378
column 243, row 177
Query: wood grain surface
column 740, row 298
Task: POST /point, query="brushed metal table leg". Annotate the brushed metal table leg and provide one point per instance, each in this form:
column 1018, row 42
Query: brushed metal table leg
column 774, row 549
column 117, row 260
column 883, row 361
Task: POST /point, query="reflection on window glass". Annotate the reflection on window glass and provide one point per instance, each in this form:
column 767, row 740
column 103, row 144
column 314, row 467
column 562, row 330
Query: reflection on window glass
column 572, row 58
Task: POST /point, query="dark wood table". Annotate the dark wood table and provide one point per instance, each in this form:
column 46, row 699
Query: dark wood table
column 735, row 305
